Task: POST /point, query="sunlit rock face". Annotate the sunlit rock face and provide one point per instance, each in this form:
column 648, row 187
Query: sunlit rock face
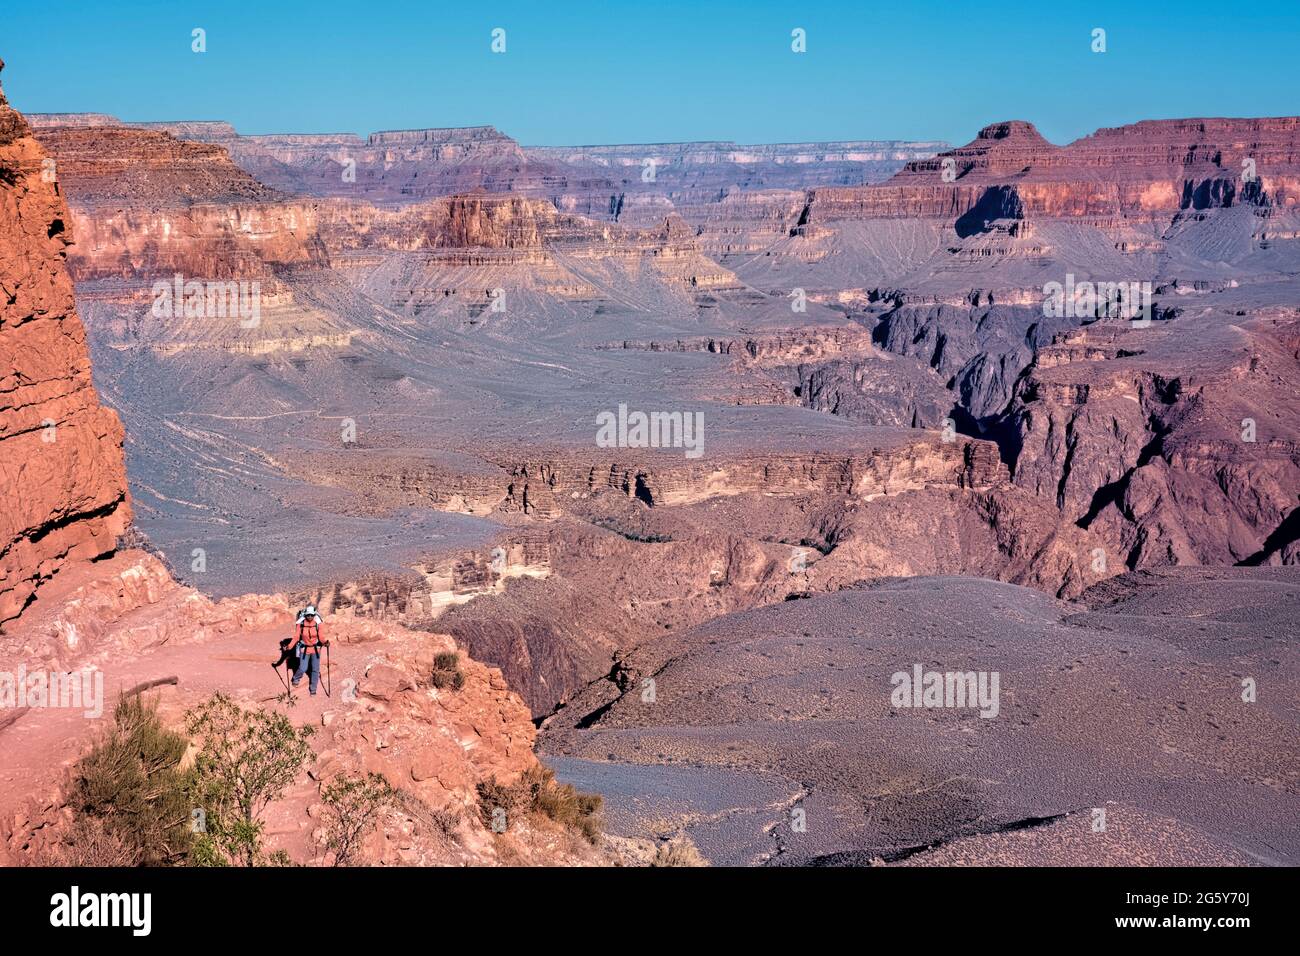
column 61, row 471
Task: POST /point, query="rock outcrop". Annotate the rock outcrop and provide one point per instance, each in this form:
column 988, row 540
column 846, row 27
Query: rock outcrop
column 124, row 166
column 1177, row 444
column 61, row 468
column 520, row 241
column 145, row 203
column 1151, row 169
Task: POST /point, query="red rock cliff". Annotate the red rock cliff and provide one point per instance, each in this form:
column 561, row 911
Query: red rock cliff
column 61, row 468
column 1151, row 169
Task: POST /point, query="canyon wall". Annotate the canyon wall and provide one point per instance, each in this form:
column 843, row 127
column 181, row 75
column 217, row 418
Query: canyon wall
column 510, row 240
column 1150, row 169
column 1171, row 438
column 61, row 468
column 146, row 203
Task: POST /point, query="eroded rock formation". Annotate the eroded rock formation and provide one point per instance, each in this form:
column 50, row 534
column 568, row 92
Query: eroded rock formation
column 61, row 470
column 1149, row 169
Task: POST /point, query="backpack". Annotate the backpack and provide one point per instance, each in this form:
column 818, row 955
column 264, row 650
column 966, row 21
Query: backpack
column 309, row 630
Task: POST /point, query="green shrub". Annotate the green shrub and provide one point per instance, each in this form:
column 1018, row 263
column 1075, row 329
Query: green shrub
column 247, row 760
column 352, row 806
column 129, row 799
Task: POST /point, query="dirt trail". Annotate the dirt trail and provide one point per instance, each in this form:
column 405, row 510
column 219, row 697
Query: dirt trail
column 38, row 748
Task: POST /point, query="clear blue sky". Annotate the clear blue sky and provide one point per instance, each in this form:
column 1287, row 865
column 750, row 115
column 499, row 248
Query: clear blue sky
column 658, row 70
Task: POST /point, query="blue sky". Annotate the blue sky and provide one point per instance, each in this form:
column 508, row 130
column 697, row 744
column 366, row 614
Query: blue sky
column 659, row 70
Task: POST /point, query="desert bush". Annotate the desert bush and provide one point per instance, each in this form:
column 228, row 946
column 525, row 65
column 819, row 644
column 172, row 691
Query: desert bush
column 444, row 820
column 247, row 760
column 352, row 806
column 494, row 796
column 447, row 672
column 128, row 796
column 566, row 805
column 537, row 792
column 88, row 842
column 679, row 852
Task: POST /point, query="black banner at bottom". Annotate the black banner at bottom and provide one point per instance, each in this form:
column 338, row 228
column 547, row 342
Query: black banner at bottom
column 341, row 906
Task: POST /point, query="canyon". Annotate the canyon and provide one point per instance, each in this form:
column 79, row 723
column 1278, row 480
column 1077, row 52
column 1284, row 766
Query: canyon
column 79, row 596
column 907, row 457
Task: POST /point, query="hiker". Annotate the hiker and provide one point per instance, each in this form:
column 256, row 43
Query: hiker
column 309, row 645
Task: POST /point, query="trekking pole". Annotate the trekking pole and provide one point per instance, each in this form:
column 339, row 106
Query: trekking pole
column 327, row 671
column 276, row 667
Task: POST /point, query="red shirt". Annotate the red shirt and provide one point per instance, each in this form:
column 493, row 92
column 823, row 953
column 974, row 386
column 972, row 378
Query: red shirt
column 309, row 634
